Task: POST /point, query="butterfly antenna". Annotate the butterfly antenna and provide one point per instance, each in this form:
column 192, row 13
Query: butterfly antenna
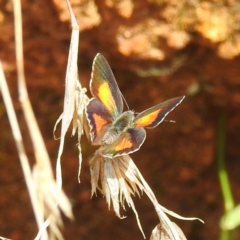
column 125, row 101
column 172, row 121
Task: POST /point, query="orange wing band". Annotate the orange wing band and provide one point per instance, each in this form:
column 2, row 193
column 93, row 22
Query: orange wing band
column 148, row 119
column 99, row 122
column 124, row 144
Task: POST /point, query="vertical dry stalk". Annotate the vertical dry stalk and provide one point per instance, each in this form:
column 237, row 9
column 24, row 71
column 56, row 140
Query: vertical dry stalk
column 20, row 147
column 74, row 98
column 70, row 107
column 47, row 199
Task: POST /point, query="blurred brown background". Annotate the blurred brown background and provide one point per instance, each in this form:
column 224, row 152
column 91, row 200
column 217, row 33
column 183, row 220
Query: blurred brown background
column 158, row 50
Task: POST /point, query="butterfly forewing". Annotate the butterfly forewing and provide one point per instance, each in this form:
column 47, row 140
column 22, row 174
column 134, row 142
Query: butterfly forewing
column 151, row 117
column 104, row 87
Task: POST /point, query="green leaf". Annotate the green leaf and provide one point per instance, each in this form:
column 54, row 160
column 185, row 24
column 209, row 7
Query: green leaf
column 231, row 219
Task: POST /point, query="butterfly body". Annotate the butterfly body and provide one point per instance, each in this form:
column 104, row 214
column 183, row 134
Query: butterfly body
column 120, row 125
column 117, row 132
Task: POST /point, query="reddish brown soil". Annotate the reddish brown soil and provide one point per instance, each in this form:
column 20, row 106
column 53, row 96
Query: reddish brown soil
column 177, row 160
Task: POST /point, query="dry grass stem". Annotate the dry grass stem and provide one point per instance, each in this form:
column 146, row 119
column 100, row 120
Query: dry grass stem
column 3, row 238
column 47, row 199
column 74, row 99
column 20, row 147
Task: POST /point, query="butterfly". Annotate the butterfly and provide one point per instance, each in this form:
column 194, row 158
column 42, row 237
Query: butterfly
column 117, row 132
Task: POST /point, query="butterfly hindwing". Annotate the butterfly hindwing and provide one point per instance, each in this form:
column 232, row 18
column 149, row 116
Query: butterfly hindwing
column 128, row 142
column 104, row 87
column 99, row 119
column 153, row 116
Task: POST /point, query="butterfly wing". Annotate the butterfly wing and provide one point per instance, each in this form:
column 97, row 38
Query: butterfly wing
column 104, row 87
column 128, row 142
column 152, row 117
column 99, row 120
column 106, row 103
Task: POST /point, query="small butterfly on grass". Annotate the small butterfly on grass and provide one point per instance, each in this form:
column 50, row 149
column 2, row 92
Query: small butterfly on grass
column 118, row 133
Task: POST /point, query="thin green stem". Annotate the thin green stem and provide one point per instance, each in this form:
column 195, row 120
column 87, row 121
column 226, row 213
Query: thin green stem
column 222, row 171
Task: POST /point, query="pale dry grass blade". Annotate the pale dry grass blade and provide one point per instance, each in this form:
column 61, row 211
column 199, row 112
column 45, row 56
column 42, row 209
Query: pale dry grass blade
column 179, row 231
column 50, row 198
column 42, row 230
column 39, row 146
column 20, row 147
column 173, row 214
column 74, row 99
column 3, row 238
